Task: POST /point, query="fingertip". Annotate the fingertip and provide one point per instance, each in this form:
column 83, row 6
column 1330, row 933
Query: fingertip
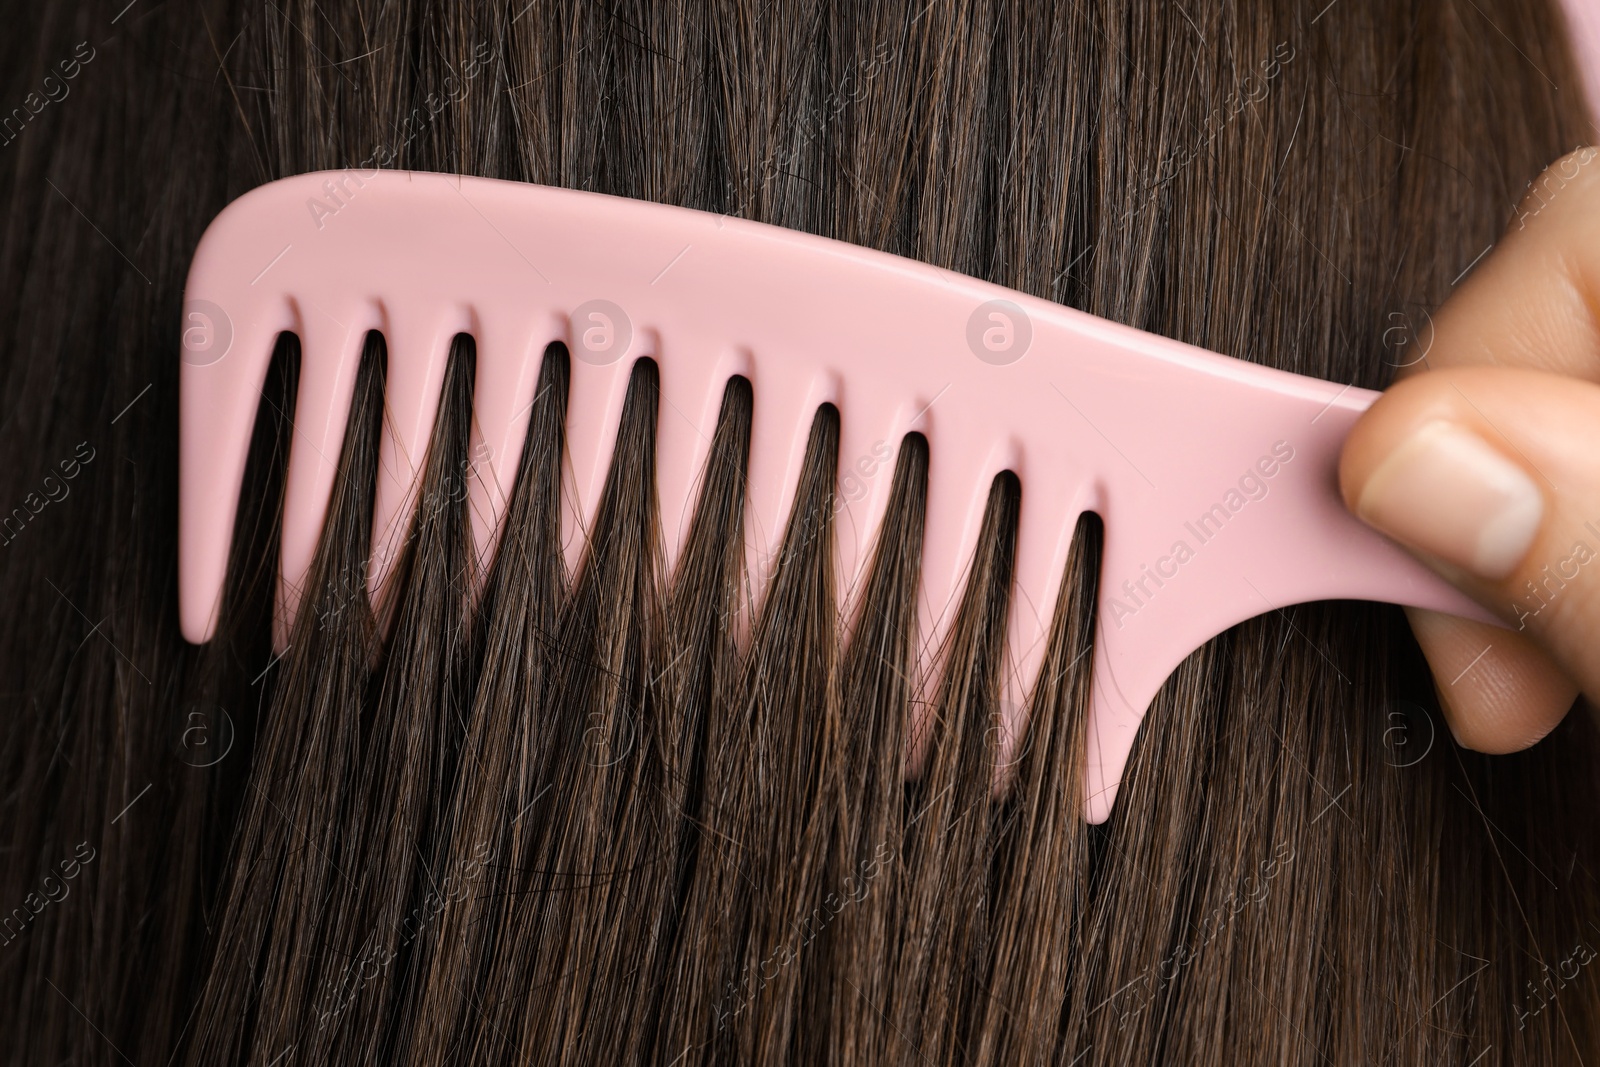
column 1390, row 422
column 1499, row 691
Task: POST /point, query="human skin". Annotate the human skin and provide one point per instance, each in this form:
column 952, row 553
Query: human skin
column 1484, row 460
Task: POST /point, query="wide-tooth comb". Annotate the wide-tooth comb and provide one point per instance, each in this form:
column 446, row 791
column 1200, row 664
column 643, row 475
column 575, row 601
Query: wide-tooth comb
column 1215, row 479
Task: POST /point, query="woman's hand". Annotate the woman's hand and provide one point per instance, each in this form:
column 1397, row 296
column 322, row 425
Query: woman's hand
column 1485, row 460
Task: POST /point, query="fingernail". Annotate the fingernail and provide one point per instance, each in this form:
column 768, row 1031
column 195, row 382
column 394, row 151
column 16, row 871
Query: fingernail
column 1447, row 492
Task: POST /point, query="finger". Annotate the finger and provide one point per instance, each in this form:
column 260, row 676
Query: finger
column 1488, row 474
column 1532, row 301
column 1524, row 305
column 1499, row 690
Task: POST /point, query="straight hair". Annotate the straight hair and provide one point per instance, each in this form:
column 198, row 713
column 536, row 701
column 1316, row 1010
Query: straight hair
column 627, row 814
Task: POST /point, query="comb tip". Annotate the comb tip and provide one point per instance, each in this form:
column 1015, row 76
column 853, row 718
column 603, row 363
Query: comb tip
column 197, row 618
column 1097, row 803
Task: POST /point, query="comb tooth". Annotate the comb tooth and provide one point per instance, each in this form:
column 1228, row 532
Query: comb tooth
column 1053, row 496
column 594, row 411
column 870, row 430
column 218, row 402
column 1114, row 718
column 785, row 404
column 330, row 356
column 509, row 358
column 691, row 399
column 1145, row 625
column 866, row 480
column 959, row 480
column 419, row 349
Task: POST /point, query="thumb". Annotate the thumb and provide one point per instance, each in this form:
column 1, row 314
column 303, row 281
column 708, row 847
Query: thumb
column 1490, row 474
column 1481, row 460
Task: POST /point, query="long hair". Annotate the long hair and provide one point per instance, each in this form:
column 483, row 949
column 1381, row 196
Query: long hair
column 627, row 814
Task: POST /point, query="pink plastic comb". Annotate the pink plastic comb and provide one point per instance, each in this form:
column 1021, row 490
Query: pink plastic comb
column 1215, row 478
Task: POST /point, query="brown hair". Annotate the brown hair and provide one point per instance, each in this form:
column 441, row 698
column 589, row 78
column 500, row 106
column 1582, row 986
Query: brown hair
column 621, row 815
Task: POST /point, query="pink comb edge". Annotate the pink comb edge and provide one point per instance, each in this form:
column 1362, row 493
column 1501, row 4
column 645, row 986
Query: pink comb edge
column 1583, row 31
column 1153, row 435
